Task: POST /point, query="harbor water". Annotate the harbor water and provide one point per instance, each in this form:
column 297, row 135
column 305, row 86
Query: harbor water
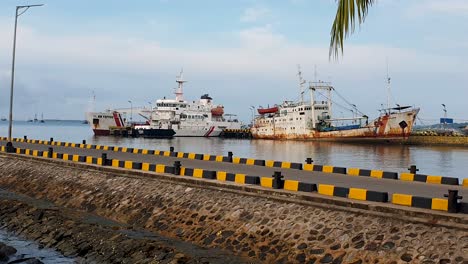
column 434, row 160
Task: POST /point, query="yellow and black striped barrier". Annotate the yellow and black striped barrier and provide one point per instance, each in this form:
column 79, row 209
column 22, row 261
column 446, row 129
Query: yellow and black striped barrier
column 198, row 173
column 373, row 173
column 428, row 178
column 332, row 190
column 324, row 168
column 367, row 195
column 283, row 164
column 420, row 202
column 290, row 185
column 237, row 160
column 465, row 182
column 237, row 178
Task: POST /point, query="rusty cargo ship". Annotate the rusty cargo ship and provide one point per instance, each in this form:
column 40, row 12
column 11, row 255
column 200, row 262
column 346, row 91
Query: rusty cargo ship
column 313, row 120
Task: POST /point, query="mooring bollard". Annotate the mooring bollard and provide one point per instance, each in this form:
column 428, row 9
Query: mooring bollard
column 453, row 201
column 177, row 166
column 413, row 169
column 10, row 148
column 230, row 154
column 84, row 142
column 50, row 153
column 51, row 139
column 278, row 180
column 171, row 149
column 104, row 159
column 25, row 137
column 309, row 161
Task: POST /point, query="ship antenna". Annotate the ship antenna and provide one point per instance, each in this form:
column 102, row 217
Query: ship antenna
column 301, row 82
column 388, row 89
column 315, row 73
column 180, row 81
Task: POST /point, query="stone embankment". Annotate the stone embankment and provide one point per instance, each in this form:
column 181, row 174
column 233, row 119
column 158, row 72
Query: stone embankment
column 461, row 141
column 270, row 227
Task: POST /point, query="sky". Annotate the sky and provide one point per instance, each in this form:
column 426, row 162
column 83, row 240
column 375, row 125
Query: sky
column 243, row 53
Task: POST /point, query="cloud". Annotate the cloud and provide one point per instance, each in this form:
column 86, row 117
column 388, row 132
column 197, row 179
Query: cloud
column 448, row 6
column 254, row 14
column 259, row 62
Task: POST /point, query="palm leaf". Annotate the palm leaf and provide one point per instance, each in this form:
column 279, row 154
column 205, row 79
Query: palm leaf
column 344, row 23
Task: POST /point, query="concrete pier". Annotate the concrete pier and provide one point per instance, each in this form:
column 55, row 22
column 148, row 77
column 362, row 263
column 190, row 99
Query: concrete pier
column 270, row 226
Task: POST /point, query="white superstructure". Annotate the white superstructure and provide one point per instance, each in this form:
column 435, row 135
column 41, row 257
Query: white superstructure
column 200, row 118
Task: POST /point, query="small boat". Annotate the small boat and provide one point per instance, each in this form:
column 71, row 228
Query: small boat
column 3, row 118
column 270, row 110
column 217, row 111
column 42, row 118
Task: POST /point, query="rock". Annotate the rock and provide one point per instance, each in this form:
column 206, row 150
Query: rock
column 302, row 246
column 301, row 258
column 335, row 247
column 26, row 261
column 316, row 251
column 327, row 258
column 8, row 250
column 406, row 257
column 388, row 245
column 3, row 257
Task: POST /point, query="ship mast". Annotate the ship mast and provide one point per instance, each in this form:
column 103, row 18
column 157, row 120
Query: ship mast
column 388, row 90
column 301, row 83
column 180, row 81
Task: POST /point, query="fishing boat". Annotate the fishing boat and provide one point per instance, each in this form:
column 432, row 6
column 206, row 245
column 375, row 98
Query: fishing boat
column 3, row 118
column 314, row 119
column 196, row 118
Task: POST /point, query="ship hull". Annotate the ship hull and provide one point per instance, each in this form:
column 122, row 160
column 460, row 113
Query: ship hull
column 393, row 128
column 154, row 133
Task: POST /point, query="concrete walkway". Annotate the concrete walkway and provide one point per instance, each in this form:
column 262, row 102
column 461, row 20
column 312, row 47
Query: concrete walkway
column 341, row 180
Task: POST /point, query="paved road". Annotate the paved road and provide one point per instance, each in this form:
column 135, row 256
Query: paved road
column 383, row 185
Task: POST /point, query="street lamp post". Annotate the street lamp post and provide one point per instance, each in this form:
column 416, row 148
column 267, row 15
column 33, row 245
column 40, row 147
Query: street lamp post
column 253, row 114
column 10, row 147
column 445, row 117
column 131, row 111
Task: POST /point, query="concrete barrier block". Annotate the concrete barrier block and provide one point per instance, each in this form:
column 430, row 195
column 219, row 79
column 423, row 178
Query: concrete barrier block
column 439, row 204
column 291, row 185
column 239, row 178
column 266, row 182
column 307, row 187
column 252, row 180
column 402, row 199
column 211, row 175
column 390, row 175
column 137, row 165
column 450, row 181
column 259, row 162
column 340, row 170
column 374, row 196
column 221, row 175
column 296, row 166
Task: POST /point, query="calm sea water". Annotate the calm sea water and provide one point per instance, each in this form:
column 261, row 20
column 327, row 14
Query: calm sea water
column 436, row 160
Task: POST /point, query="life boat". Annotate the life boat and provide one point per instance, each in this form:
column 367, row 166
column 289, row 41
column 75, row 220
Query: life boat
column 270, row 110
column 217, row 111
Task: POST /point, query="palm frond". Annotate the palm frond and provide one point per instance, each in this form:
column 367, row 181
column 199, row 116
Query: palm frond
column 345, row 21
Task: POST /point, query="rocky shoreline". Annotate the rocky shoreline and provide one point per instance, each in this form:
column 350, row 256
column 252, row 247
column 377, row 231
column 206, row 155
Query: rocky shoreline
column 270, row 227
column 77, row 235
